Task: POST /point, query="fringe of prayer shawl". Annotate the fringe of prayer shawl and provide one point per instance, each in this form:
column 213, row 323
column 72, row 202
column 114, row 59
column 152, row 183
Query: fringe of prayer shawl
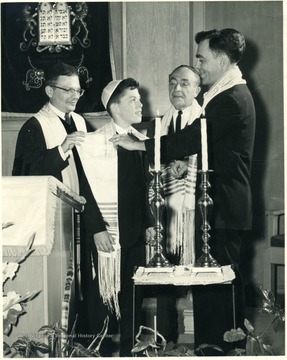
column 99, row 159
column 180, row 211
column 54, row 134
column 180, row 236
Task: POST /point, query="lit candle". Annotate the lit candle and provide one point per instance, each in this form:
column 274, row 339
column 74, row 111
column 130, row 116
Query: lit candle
column 155, row 329
column 204, row 145
column 157, row 143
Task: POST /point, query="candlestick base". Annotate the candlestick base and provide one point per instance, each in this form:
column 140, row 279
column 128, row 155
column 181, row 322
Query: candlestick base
column 159, row 261
column 206, row 261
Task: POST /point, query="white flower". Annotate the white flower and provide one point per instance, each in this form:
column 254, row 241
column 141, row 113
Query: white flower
column 11, row 301
column 9, row 270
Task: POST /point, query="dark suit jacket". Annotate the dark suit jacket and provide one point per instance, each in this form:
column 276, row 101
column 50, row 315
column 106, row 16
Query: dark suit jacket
column 231, row 130
column 33, row 158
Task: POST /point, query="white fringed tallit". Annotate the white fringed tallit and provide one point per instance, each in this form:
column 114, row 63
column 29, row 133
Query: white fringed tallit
column 100, row 163
column 55, row 134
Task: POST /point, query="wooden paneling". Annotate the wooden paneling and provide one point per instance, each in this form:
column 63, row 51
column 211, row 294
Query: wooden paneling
column 158, row 40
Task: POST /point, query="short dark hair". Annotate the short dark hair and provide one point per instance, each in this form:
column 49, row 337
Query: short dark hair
column 59, row 69
column 228, row 41
column 116, row 96
column 188, row 67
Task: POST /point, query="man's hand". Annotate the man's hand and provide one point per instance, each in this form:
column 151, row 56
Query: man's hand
column 149, row 235
column 127, row 142
column 104, row 241
column 179, row 168
column 75, row 138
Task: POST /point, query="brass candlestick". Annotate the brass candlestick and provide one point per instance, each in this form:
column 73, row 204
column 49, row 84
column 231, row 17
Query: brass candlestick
column 157, row 203
column 205, row 205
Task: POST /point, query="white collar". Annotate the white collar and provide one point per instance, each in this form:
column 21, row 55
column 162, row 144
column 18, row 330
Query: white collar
column 58, row 112
column 186, row 113
column 121, row 130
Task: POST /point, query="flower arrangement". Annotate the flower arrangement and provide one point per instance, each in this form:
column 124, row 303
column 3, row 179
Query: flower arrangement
column 59, row 342
column 14, row 305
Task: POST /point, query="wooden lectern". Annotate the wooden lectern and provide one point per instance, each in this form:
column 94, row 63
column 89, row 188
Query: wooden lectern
column 41, row 205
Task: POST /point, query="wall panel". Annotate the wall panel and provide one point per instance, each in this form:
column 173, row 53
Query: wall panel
column 158, row 39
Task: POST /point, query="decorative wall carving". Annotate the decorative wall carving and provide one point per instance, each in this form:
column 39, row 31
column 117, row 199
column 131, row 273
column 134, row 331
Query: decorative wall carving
column 54, row 27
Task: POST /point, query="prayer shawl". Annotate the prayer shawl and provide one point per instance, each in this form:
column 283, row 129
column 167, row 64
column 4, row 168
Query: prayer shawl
column 229, row 79
column 180, row 199
column 100, row 163
column 55, row 134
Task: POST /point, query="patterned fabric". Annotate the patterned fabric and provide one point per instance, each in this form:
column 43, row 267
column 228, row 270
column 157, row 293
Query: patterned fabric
column 100, row 163
column 67, row 294
column 179, row 195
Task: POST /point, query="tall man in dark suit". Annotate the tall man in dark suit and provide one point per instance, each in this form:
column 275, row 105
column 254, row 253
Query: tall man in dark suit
column 230, row 114
column 117, row 180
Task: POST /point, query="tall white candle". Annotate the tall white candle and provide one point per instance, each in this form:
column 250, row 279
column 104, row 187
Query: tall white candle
column 155, row 328
column 204, row 145
column 157, row 143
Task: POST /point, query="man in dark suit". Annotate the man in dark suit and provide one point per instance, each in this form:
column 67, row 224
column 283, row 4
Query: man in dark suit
column 122, row 236
column 230, row 115
column 46, row 145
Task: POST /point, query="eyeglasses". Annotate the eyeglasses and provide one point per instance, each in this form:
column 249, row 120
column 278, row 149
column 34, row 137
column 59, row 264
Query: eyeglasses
column 71, row 91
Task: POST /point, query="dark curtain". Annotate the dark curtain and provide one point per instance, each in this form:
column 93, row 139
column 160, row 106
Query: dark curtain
column 15, row 62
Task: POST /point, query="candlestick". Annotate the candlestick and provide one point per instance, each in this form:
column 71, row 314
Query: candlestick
column 157, row 203
column 205, row 205
column 157, row 144
column 204, row 145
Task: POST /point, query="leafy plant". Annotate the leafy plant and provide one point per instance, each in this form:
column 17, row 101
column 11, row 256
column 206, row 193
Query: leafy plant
column 147, row 344
column 60, row 343
column 255, row 343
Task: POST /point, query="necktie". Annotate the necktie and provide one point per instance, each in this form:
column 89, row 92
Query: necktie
column 178, row 122
column 68, row 118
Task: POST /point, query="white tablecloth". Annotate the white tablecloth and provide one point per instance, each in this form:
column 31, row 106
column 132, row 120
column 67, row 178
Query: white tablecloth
column 183, row 275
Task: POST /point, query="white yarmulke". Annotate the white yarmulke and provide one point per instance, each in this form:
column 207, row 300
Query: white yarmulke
column 108, row 91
